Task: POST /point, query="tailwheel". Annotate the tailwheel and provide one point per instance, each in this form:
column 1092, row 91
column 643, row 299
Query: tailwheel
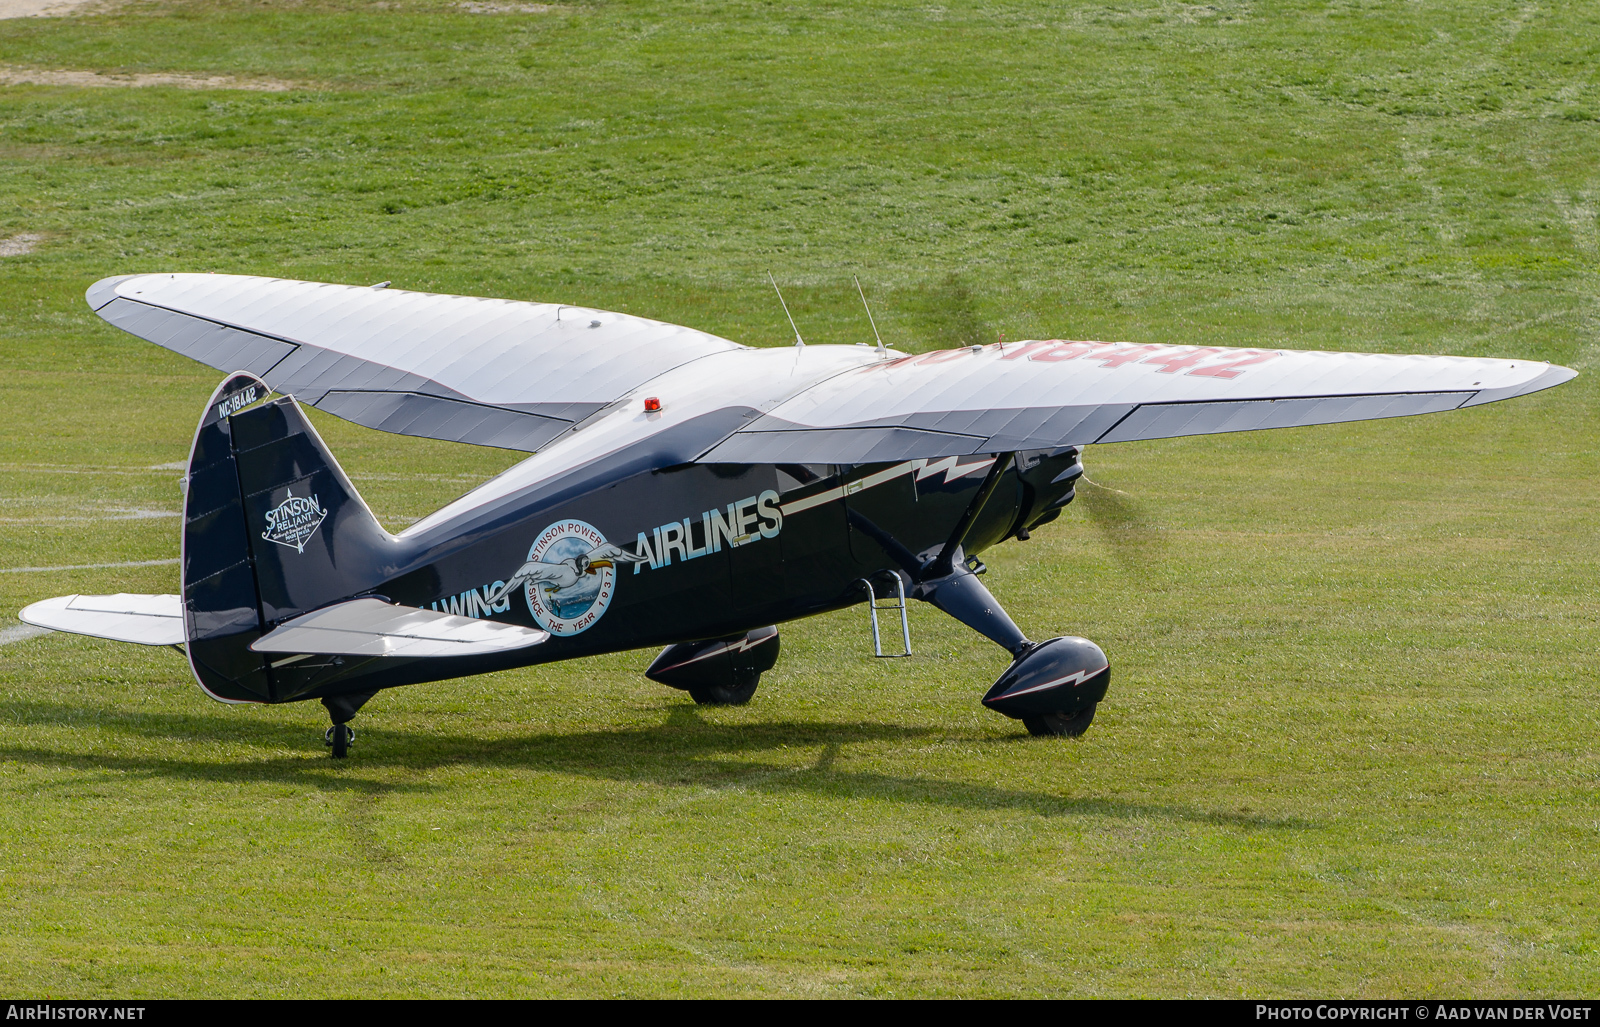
column 339, row 738
column 725, row 695
column 1061, row 725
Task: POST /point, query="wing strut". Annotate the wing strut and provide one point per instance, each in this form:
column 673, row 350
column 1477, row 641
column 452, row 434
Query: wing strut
column 941, row 564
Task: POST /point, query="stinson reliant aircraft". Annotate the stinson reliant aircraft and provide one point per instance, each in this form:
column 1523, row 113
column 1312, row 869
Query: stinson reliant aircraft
column 684, row 491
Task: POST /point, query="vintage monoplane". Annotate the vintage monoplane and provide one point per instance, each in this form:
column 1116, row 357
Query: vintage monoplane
column 683, row 491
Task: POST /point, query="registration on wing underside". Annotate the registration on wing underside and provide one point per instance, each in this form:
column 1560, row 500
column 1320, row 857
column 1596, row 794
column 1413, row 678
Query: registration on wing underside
column 1161, row 359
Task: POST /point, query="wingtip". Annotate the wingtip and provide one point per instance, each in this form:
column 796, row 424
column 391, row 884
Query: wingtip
column 1553, row 375
column 105, row 290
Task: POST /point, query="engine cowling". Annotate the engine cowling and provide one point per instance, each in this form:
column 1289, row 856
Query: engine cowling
column 1048, row 483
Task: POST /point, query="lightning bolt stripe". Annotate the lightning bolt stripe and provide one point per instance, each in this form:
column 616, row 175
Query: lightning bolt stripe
column 734, row 647
column 951, row 467
column 1076, row 678
column 849, row 488
column 828, row 496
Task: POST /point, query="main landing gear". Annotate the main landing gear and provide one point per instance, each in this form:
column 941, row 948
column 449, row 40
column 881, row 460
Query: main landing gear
column 341, row 735
column 719, row 672
column 1053, row 687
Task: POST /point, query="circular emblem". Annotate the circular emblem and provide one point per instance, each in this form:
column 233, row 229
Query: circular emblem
column 574, row 588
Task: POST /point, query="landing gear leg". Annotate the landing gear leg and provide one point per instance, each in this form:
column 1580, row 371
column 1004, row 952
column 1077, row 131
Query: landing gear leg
column 339, row 738
column 341, row 708
column 960, row 594
column 1053, row 687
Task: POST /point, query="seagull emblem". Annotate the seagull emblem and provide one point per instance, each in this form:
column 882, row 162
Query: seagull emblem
column 553, row 577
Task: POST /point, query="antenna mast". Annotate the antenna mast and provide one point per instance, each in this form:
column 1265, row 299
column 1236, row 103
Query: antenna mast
column 883, row 350
column 799, row 342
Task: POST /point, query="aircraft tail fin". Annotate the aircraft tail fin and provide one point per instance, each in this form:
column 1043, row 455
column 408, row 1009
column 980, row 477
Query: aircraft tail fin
column 272, row 529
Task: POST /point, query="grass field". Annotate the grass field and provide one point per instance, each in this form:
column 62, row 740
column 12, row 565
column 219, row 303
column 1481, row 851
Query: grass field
column 1351, row 743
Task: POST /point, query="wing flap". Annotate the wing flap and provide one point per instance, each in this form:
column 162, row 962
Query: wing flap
column 839, row 445
column 433, row 417
column 124, row 617
column 372, row 627
column 1172, row 420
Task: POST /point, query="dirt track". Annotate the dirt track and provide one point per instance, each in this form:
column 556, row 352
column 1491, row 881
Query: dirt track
column 30, row 77
column 35, row 8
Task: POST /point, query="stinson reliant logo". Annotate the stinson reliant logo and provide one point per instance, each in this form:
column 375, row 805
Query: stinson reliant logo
column 292, row 522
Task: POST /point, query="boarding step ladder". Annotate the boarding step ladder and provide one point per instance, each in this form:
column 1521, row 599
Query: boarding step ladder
column 894, row 602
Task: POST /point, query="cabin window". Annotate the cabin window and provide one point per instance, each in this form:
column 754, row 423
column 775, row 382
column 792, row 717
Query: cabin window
column 794, row 476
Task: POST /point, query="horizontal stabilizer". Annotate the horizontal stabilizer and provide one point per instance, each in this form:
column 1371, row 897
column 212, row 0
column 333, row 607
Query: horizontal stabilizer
column 372, row 627
column 147, row 620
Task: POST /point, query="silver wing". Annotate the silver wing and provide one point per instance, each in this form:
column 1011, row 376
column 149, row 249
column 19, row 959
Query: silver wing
column 491, row 372
column 517, row 375
column 1038, row 395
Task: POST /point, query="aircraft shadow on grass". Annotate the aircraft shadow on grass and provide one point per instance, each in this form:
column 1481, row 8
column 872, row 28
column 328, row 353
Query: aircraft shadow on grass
column 680, row 752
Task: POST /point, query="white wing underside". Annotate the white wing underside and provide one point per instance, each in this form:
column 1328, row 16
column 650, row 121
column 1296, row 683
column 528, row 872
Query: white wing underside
column 371, row 627
column 608, row 551
column 518, row 375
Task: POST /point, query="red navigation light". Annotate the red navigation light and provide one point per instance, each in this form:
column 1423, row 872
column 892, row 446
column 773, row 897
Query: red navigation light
column 652, row 404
